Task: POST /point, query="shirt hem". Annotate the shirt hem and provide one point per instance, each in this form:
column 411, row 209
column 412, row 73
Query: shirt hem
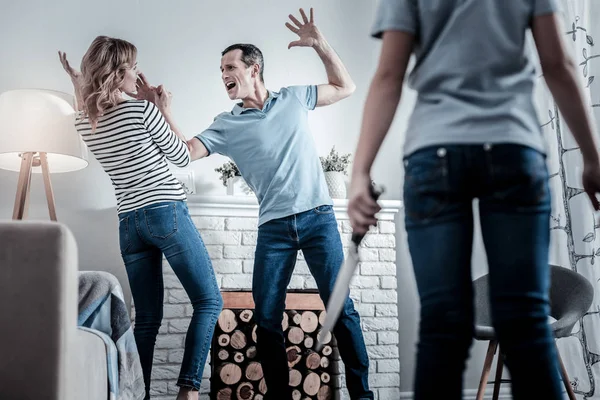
column 263, row 219
column 137, row 207
column 500, row 137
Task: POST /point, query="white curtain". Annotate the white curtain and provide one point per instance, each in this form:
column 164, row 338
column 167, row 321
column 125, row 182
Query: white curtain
column 574, row 228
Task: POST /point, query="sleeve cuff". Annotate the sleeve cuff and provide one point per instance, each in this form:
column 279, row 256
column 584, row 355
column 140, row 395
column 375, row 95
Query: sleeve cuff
column 378, row 31
column 315, row 95
column 205, row 143
column 545, row 7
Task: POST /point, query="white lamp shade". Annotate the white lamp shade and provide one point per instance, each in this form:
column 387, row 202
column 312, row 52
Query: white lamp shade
column 38, row 120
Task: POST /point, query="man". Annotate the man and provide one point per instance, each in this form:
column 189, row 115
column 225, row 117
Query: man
column 268, row 137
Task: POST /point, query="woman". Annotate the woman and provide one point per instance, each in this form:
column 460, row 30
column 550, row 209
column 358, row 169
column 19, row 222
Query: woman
column 474, row 133
column 132, row 140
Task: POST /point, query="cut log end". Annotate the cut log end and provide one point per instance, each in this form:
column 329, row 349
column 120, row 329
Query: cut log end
column 238, row 357
column 322, row 317
column 238, row 340
column 223, row 340
column 295, row 335
column 246, row 315
column 251, row 352
column 309, row 342
column 313, row 360
column 262, row 386
column 295, row 377
column 227, row 321
column 224, row 394
column 230, row 374
column 309, row 322
column 294, row 355
column 312, row 383
column 245, row 391
column 325, row 393
column 285, row 322
column 325, row 339
column 223, row 355
column 296, row 317
column 254, row 371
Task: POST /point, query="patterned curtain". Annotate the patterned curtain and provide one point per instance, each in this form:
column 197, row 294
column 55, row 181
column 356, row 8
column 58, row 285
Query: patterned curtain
column 574, row 227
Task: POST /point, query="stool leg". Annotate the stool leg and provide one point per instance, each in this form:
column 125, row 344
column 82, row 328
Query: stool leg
column 498, row 380
column 565, row 377
column 487, row 367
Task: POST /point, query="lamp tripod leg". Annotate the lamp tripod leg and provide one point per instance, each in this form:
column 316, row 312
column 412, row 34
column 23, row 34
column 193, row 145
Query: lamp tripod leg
column 23, row 187
column 48, row 186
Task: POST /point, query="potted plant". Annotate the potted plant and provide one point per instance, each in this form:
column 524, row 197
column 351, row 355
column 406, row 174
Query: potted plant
column 335, row 166
column 232, row 179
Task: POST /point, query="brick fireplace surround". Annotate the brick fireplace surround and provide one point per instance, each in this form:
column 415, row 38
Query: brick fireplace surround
column 228, row 225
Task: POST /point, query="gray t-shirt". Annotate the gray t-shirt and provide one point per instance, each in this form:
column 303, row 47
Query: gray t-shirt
column 474, row 73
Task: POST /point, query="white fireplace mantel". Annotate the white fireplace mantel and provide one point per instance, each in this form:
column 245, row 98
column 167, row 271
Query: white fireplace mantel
column 247, row 206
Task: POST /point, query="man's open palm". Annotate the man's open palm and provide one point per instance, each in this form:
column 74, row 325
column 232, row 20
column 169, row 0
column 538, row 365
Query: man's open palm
column 306, row 30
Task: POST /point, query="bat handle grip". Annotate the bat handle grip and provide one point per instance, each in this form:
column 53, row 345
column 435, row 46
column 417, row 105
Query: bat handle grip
column 375, row 193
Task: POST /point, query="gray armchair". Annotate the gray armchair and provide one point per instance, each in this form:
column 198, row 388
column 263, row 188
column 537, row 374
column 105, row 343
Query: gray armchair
column 44, row 355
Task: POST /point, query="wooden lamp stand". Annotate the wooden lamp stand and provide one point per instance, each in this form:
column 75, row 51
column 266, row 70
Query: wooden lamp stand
column 28, row 161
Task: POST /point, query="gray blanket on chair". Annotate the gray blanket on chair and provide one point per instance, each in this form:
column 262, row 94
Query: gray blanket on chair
column 102, row 308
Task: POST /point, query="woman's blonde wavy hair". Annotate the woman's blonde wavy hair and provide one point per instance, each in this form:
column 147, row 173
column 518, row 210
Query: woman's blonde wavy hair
column 103, row 69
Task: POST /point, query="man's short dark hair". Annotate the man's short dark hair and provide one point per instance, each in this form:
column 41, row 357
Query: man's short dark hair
column 250, row 55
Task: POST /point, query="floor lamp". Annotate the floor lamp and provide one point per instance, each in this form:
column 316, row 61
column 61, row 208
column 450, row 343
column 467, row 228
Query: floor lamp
column 38, row 135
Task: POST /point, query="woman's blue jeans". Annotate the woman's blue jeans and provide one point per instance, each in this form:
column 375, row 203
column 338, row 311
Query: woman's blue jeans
column 145, row 235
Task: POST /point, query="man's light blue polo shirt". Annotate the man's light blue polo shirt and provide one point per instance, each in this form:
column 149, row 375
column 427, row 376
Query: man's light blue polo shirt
column 274, row 151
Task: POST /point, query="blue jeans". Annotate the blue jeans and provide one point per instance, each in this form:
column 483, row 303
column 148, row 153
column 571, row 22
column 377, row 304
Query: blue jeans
column 314, row 232
column 145, row 235
column 511, row 183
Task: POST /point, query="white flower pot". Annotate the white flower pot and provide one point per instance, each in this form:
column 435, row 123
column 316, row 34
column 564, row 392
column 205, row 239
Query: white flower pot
column 336, row 183
column 237, row 186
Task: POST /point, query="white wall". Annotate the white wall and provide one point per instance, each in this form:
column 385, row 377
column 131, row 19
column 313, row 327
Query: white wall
column 179, row 45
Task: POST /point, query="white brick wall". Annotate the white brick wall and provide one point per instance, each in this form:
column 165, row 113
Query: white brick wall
column 230, row 242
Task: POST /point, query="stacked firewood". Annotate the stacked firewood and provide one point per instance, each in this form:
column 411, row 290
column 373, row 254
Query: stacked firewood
column 237, row 373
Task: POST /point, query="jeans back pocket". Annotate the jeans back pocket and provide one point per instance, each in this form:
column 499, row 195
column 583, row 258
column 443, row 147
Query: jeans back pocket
column 161, row 220
column 519, row 175
column 426, row 184
column 124, row 239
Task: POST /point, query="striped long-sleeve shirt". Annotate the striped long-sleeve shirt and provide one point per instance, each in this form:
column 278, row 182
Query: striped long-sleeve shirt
column 133, row 142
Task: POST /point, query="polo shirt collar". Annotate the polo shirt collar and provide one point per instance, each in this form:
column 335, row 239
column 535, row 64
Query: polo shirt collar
column 239, row 109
